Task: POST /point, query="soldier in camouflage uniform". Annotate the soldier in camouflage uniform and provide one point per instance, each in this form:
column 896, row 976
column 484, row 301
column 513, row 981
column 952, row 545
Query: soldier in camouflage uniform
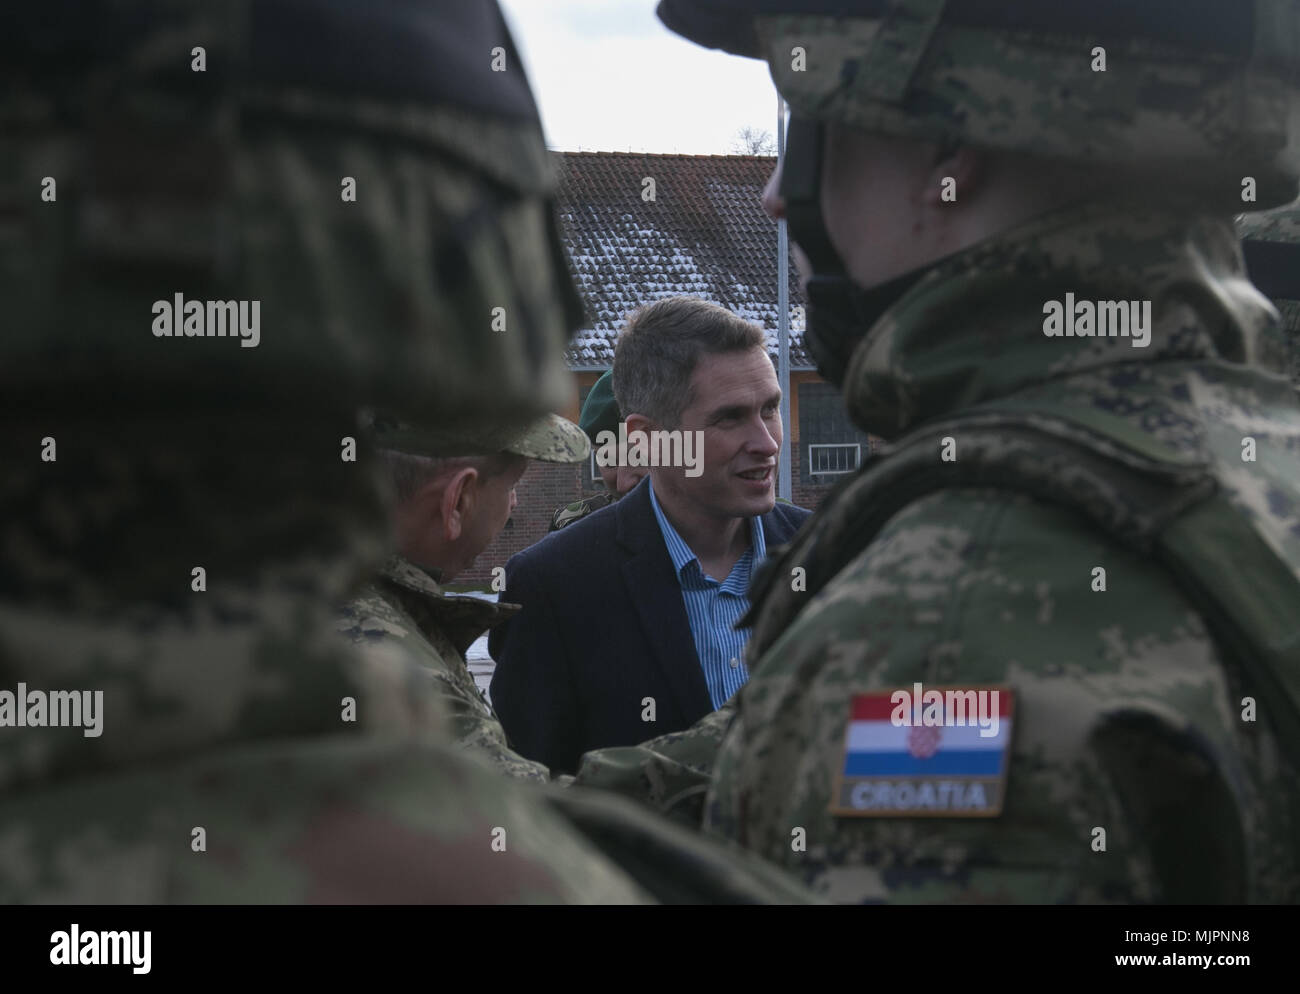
column 1108, row 535
column 404, row 603
column 599, row 414
column 182, row 511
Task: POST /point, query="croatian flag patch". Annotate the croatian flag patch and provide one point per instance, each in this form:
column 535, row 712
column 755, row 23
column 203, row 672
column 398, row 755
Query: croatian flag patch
column 926, row 752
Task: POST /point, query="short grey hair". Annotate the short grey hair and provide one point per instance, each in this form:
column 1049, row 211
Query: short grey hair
column 411, row 473
column 660, row 347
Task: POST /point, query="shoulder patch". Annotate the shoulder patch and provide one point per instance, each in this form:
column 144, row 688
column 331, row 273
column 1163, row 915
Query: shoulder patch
column 925, row 752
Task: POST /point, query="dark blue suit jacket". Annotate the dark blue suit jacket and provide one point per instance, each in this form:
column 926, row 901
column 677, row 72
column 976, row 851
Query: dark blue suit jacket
column 603, row 627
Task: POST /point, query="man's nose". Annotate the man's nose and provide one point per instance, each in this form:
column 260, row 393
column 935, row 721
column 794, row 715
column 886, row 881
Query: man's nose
column 773, row 202
column 514, row 499
column 765, row 440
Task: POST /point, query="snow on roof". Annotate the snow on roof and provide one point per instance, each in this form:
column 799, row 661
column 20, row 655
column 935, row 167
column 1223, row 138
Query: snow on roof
column 703, row 234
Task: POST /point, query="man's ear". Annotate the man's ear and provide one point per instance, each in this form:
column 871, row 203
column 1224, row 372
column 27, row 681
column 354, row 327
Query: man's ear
column 458, row 497
column 957, row 168
column 638, row 422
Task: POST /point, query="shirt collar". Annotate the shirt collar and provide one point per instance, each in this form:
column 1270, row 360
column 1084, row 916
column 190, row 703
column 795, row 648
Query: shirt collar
column 680, row 553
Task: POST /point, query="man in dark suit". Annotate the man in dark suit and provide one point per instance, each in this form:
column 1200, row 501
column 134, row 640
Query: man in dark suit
column 626, row 631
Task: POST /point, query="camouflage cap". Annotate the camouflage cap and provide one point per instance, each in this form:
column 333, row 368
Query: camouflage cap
column 600, row 409
column 550, row 439
column 1205, row 94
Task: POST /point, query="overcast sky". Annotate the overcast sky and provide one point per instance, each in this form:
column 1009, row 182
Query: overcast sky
column 609, row 77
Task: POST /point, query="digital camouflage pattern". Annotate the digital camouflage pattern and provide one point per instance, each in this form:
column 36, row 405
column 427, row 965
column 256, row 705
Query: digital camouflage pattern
column 404, row 605
column 225, row 710
column 670, row 773
column 676, row 864
column 567, row 514
column 229, row 184
column 922, row 69
column 1128, row 715
column 248, row 753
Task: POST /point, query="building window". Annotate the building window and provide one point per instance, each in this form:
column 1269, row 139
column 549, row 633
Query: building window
column 829, row 444
column 835, row 459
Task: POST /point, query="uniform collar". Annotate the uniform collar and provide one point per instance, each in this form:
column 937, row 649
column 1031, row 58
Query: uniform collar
column 461, row 619
column 971, row 329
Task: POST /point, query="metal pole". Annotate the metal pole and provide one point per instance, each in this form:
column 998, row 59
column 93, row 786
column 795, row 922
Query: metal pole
column 784, row 476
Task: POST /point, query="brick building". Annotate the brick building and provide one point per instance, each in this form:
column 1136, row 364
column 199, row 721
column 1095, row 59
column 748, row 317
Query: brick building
column 638, row 227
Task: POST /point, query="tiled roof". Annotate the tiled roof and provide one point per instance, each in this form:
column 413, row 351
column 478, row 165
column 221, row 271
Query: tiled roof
column 705, row 234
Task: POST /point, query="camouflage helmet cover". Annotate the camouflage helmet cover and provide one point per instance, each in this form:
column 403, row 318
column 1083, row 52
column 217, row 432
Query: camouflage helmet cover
column 392, row 214
column 1205, row 91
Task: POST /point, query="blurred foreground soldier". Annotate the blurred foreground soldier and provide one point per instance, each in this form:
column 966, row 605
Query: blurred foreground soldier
column 1271, row 244
column 1047, row 647
column 178, row 720
column 449, row 509
column 600, row 414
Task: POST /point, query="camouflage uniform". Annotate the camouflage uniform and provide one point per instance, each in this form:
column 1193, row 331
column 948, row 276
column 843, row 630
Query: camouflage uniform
column 671, row 774
column 1070, row 454
column 404, row 604
column 246, row 753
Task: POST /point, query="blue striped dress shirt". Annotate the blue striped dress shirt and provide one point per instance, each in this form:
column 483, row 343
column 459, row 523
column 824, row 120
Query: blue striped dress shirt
column 712, row 608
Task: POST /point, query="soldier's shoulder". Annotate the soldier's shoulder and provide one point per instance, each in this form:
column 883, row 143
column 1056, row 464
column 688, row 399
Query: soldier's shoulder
column 373, row 615
column 376, row 620
column 958, row 560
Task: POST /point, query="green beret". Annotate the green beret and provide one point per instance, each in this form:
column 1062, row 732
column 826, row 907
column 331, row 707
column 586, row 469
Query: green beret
column 600, row 410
